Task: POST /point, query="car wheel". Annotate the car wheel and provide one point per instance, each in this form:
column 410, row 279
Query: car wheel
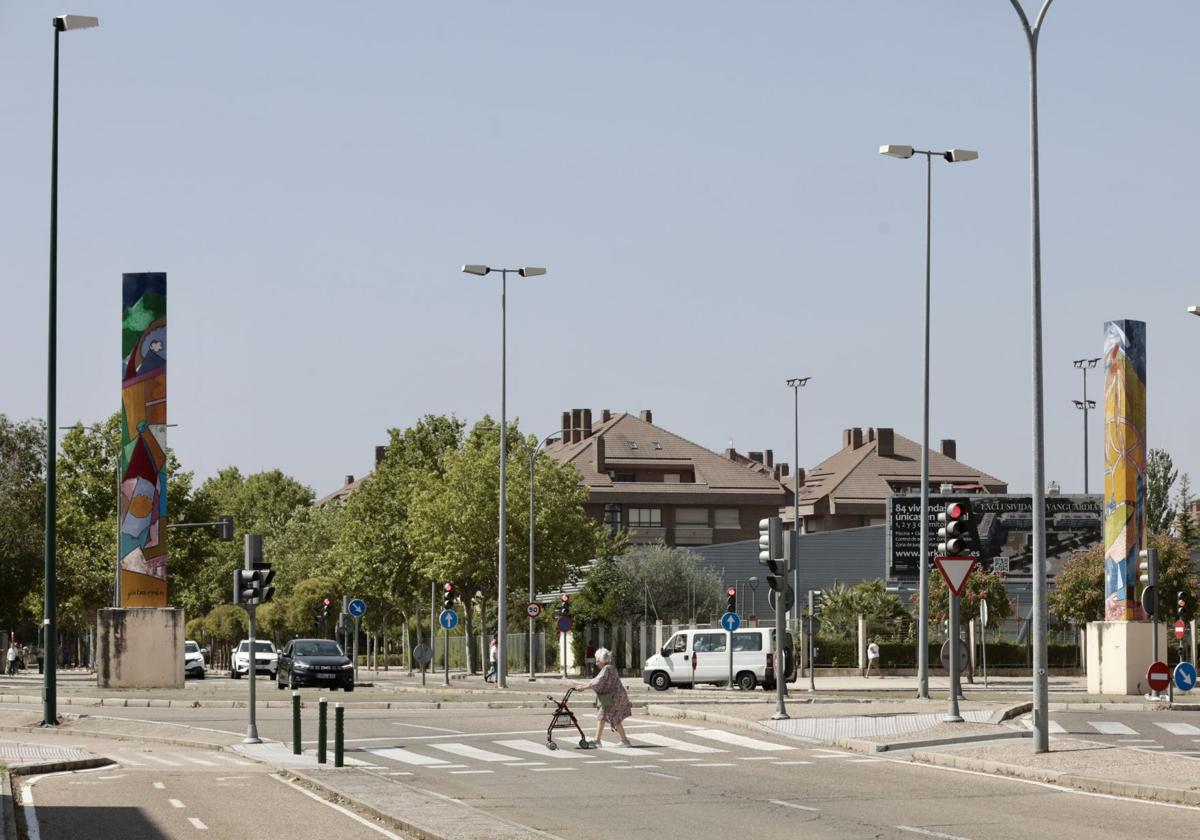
column 234, row 675
column 746, row 681
column 660, row 681
column 349, row 688
column 292, row 684
column 200, row 676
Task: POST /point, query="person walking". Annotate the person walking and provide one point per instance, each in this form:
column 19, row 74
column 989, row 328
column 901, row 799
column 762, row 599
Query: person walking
column 491, row 671
column 612, row 696
column 873, row 659
column 13, row 653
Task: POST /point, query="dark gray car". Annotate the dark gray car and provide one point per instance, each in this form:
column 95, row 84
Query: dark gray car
column 314, row 662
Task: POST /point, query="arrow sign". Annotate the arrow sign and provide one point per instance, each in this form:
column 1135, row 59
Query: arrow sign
column 1185, row 676
column 448, row 619
column 731, row 621
column 356, row 607
column 955, row 570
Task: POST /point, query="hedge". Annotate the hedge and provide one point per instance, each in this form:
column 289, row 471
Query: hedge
column 841, row 653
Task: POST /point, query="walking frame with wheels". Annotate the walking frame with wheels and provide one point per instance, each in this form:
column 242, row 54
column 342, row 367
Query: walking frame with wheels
column 564, row 718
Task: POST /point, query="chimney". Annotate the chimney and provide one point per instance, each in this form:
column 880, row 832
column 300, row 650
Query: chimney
column 783, row 470
column 949, row 448
column 598, row 455
column 565, row 428
column 871, row 435
column 576, row 425
column 757, row 457
column 770, row 453
column 380, row 453
column 605, row 416
column 587, row 423
column 847, row 439
column 887, row 442
column 800, row 474
column 349, row 480
column 856, row 438
column 647, row 415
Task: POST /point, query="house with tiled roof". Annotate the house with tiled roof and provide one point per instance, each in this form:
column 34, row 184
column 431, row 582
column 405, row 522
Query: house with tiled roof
column 658, row 486
column 850, row 488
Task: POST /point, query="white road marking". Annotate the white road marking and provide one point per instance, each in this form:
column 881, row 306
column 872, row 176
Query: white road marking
column 452, row 766
column 405, row 756
column 32, row 830
column 790, row 763
column 159, row 786
column 524, row 764
column 739, row 740
column 175, row 803
column 757, row 758
column 1179, row 728
column 610, row 761
column 110, row 778
column 792, row 805
column 165, row 761
column 715, row 764
column 865, row 760
column 400, row 773
column 538, row 749
column 666, row 775
column 467, row 751
column 676, row 760
column 1135, row 740
column 660, row 740
column 194, row 760
column 929, row 833
column 197, row 824
column 551, row 769
column 339, row 809
column 430, row 728
column 124, row 759
column 469, row 772
column 233, row 760
column 1111, row 727
column 1052, row 727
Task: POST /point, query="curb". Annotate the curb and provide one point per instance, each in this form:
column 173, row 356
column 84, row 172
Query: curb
column 1092, row 784
column 9, row 826
column 1010, row 712
column 661, row 711
column 360, row 807
column 859, row 745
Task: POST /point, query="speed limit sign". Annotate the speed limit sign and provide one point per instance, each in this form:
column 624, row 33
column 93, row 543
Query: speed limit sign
column 533, row 609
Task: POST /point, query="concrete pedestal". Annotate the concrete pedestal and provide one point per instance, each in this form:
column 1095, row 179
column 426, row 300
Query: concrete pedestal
column 1118, row 655
column 139, row 648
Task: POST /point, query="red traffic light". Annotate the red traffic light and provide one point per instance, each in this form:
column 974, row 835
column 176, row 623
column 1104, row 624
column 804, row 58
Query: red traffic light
column 328, row 602
column 449, row 587
column 566, row 598
column 955, row 510
column 731, row 591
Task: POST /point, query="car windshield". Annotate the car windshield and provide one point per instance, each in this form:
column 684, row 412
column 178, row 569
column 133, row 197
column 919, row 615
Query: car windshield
column 259, row 647
column 317, row 647
column 191, row 647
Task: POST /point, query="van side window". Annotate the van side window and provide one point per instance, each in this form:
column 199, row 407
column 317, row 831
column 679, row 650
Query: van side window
column 747, row 641
column 678, row 644
column 709, row 643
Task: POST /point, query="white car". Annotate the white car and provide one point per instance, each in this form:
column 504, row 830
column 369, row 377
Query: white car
column 753, row 660
column 266, row 659
column 193, row 660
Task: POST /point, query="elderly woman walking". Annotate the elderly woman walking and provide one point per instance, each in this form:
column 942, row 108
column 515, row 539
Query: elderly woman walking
column 614, row 700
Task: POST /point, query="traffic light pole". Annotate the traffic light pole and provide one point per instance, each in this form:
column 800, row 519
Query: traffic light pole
column 952, row 713
column 253, row 550
column 446, row 656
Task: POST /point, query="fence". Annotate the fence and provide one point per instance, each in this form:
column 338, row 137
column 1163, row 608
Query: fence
column 517, row 658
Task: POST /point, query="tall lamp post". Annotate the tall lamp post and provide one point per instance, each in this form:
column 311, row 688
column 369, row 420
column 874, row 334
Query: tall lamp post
column 1085, row 405
column 533, row 453
column 501, row 616
column 1041, row 687
column 796, row 384
column 950, row 156
column 62, row 23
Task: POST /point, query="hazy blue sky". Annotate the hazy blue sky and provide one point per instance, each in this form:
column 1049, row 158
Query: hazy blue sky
column 701, row 179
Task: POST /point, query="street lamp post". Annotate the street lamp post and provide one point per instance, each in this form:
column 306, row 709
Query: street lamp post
column 1041, row 687
column 796, row 384
column 532, row 544
column 951, row 156
column 1085, row 405
column 62, row 23
column 501, row 616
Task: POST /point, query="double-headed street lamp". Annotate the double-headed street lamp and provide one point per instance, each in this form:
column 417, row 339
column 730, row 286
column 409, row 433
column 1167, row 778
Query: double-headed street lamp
column 62, row 23
column 950, row 156
column 501, row 640
column 1085, row 405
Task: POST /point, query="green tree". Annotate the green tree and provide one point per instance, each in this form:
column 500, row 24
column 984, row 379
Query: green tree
column 1160, row 478
column 22, row 514
column 305, row 547
column 225, row 626
column 303, row 605
column 979, row 586
column 841, row 606
column 1078, row 593
column 654, row 582
column 1186, row 529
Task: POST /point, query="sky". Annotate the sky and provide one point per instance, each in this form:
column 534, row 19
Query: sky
column 701, row 180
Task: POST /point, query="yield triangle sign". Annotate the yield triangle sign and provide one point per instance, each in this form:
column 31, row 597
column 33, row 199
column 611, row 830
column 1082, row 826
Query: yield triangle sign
column 955, row 570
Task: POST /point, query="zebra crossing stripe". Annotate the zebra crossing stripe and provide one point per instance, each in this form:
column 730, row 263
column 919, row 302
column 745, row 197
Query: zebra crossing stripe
column 1111, row 727
column 739, row 740
column 404, row 755
column 467, row 751
column 1179, row 728
column 658, row 740
column 538, row 749
column 165, row 761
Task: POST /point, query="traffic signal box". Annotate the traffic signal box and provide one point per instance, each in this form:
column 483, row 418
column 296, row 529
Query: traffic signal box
column 253, row 586
column 448, row 596
column 1148, row 577
column 731, row 602
column 564, row 608
column 952, row 531
column 1180, row 605
column 772, row 552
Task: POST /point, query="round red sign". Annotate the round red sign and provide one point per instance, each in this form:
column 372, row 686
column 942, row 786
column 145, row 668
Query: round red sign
column 1180, row 629
column 1159, row 676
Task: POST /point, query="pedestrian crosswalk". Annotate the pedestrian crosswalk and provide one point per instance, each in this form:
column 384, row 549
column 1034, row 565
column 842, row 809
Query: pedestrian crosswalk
column 146, row 758
column 1125, row 732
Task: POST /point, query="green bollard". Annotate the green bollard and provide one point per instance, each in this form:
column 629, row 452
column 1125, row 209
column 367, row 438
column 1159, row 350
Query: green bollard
column 296, row 750
column 322, row 727
column 339, row 723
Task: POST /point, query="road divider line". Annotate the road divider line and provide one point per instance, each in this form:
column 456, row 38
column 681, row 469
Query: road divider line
column 792, row 805
column 159, row 786
column 175, row 803
column 929, row 833
column 197, row 824
column 666, row 775
column 345, row 811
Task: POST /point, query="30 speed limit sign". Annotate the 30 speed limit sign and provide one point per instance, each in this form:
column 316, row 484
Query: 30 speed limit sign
column 533, row 609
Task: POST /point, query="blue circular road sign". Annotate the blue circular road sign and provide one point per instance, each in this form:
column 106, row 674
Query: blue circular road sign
column 565, row 622
column 731, row 621
column 1185, row 676
column 448, row 619
column 357, row 607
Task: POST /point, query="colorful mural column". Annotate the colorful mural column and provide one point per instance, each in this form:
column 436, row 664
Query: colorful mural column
column 143, row 499
column 1124, row 465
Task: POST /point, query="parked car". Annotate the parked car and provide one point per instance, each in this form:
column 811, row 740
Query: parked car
column 314, row 662
column 193, row 660
column 753, row 660
column 266, row 659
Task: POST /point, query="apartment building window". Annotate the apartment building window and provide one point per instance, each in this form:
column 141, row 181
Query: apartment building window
column 612, row 518
column 728, row 518
column 692, row 516
column 645, row 517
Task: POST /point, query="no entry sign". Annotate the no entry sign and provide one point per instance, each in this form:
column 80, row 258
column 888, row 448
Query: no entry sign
column 1180, row 629
column 1158, row 676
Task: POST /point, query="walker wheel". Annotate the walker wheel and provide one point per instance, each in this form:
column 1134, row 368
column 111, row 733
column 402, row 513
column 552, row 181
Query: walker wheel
column 551, row 745
column 583, row 743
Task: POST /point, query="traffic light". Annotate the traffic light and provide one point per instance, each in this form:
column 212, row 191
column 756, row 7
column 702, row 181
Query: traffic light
column 225, row 528
column 253, row 586
column 265, row 591
column 731, row 601
column 771, row 551
column 953, row 530
column 448, row 596
column 243, row 586
column 814, row 600
column 565, row 609
column 1148, row 566
column 1180, row 604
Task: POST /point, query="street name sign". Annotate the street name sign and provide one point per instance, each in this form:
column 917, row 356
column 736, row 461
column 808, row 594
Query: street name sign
column 1185, row 676
column 731, row 621
column 448, row 619
column 955, row 570
column 1158, row 676
column 357, row 607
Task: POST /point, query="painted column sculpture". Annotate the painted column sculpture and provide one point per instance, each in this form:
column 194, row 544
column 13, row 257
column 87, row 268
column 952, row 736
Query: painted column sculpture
column 1124, row 465
column 143, row 466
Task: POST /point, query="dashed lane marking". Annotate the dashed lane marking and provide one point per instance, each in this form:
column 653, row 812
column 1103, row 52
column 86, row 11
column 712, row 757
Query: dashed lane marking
column 793, row 805
column 197, row 824
column 175, row 803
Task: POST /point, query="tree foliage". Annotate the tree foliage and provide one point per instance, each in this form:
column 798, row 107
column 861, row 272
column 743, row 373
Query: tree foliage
column 1160, row 478
column 22, row 514
column 841, row 606
column 979, row 586
column 1186, row 528
column 651, row 582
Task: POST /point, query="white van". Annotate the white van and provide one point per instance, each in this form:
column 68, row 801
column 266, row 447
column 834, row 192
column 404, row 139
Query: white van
column 752, row 659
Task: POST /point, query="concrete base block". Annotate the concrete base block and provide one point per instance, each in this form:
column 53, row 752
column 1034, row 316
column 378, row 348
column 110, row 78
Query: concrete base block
column 1118, row 655
column 139, row 648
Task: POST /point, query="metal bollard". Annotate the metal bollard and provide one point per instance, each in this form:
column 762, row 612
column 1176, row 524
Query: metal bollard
column 339, row 724
column 296, row 750
column 322, row 726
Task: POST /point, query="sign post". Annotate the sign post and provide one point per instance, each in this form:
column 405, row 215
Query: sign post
column 731, row 622
column 449, row 620
column 955, row 571
column 983, row 620
column 356, row 608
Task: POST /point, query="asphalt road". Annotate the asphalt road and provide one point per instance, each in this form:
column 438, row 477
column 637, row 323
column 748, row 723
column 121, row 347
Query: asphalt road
column 1165, row 731
column 159, row 792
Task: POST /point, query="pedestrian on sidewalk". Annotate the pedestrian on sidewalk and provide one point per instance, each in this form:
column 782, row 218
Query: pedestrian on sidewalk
column 612, row 696
column 491, row 671
column 873, row 659
column 13, row 653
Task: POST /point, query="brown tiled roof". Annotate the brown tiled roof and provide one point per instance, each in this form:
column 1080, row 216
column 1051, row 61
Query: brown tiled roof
column 861, row 476
column 654, row 446
column 339, row 496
